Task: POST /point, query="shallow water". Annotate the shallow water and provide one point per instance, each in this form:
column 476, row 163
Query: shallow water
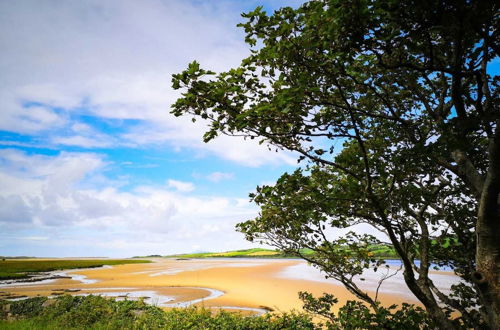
column 160, row 300
column 163, row 297
column 150, row 297
column 369, row 280
column 17, row 283
column 213, row 294
column 45, row 278
column 76, row 277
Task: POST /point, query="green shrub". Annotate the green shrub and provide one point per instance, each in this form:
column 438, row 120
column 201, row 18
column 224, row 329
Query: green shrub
column 357, row 315
column 95, row 312
column 27, row 307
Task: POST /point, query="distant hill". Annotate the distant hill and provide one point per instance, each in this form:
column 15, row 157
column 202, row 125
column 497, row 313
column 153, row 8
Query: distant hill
column 248, row 253
column 378, row 251
column 149, row 256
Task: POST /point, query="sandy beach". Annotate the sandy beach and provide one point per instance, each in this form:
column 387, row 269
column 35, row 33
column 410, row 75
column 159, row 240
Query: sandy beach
column 248, row 285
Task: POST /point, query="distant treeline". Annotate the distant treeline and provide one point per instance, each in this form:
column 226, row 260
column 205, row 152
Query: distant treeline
column 16, row 257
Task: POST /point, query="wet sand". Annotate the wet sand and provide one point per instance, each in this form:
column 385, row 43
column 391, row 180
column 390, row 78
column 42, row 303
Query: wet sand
column 246, row 283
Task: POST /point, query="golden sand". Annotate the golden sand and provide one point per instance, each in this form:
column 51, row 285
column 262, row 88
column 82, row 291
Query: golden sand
column 245, row 283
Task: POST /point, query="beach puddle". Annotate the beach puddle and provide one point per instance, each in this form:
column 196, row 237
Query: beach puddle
column 212, row 295
column 149, row 297
column 169, row 301
column 76, row 277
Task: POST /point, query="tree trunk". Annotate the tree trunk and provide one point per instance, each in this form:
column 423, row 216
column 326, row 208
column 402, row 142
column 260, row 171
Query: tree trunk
column 487, row 275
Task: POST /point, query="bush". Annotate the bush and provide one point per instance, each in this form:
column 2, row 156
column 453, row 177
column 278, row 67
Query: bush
column 95, row 312
column 357, row 315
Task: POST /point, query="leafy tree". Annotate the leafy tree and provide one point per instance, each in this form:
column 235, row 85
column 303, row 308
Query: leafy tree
column 393, row 108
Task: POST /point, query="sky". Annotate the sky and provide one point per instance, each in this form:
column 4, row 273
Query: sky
column 91, row 161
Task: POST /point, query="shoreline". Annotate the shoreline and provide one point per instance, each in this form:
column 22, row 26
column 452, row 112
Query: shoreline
column 248, row 283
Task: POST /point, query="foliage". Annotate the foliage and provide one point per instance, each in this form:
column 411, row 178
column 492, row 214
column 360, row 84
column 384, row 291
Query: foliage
column 95, row 312
column 21, row 268
column 394, row 108
column 27, row 307
column 356, row 315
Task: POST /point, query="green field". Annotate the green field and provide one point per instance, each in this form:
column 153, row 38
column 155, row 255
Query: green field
column 378, row 251
column 248, row 253
column 22, row 268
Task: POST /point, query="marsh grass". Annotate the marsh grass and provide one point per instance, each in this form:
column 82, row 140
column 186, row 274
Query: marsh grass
column 22, row 268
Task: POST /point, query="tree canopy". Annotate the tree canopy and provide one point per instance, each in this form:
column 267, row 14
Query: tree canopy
column 392, row 107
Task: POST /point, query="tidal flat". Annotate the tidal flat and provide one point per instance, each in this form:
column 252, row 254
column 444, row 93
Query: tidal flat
column 250, row 286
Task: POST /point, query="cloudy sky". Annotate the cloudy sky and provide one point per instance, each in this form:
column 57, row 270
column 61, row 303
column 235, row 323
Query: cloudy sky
column 91, row 161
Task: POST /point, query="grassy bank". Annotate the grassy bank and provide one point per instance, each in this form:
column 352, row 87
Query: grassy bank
column 378, row 251
column 22, row 268
column 95, row 312
column 248, row 253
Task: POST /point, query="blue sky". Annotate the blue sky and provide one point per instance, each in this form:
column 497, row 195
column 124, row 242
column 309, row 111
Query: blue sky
column 91, row 161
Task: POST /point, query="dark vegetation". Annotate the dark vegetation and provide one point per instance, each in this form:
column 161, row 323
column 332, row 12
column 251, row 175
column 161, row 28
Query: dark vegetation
column 21, row 268
column 95, row 312
column 149, row 256
column 392, row 108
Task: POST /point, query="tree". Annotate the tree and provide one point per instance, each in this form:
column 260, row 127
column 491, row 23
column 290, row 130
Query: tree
column 393, row 109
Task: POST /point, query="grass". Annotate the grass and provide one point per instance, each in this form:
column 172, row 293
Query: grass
column 378, row 251
column 95, row 312
column 22, row 268
column 383, row 251
column 248, row 253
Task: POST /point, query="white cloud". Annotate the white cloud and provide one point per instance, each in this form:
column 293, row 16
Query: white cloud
column 182, row 133
column 181, row 185
column 34, row 238
column 114, row 56
column 114, row 59
column 81, row 141
column 50, row 196
column 219, row 176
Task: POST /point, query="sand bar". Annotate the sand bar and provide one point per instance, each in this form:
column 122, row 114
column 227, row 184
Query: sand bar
column 247, row 283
